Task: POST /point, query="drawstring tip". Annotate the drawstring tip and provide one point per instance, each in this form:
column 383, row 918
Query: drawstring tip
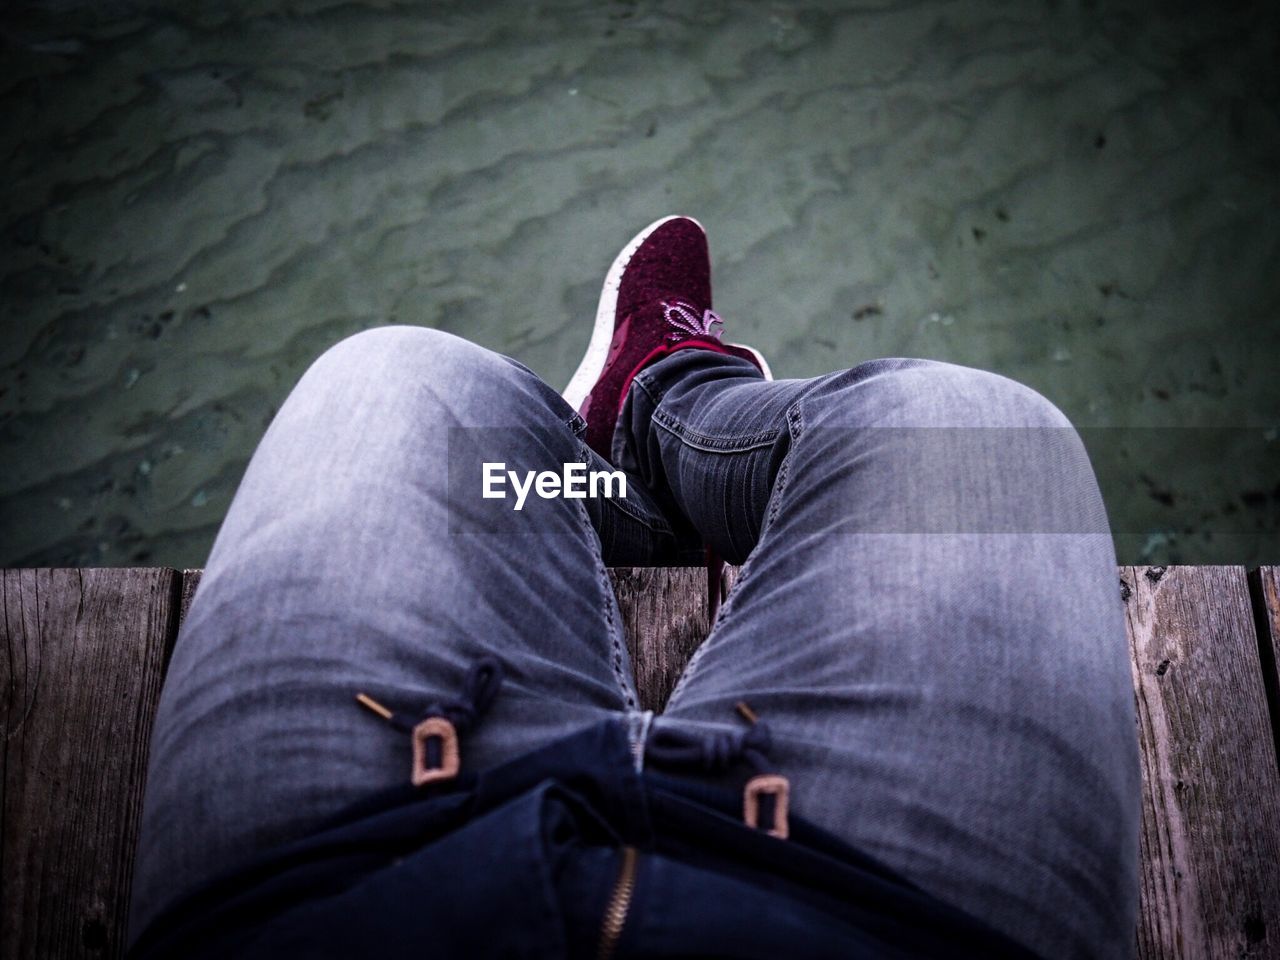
column 369, row 703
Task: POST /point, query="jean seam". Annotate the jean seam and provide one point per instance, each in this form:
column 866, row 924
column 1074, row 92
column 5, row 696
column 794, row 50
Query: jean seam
column 707, row 444
column 645, row 383
column 795, row 426
column 727, row 520
column 654, row 525
column 692, row 437
column 638, row 724
column 609, row 603
column 651, row 525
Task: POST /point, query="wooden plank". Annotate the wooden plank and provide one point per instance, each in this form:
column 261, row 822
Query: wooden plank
column 1211, row 791
column 1211, row 823
column 80, row 674
column 665, row 618
column 1264, row 590
column 664, row 611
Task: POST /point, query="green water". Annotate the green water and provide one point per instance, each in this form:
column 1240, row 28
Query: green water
column 198, row 199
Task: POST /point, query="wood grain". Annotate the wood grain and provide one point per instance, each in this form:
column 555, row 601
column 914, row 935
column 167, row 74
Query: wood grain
column 664, row 611
column 665, row 620
column 1264, row 591
column 1211, row 798
column 80, row 675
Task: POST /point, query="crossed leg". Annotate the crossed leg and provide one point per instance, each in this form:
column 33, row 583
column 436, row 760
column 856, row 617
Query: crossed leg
column 929, row 621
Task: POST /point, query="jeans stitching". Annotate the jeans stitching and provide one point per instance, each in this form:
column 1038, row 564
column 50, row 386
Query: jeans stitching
column 656, row 526
column 645, row 383
column 638, row 724
column 795, row 426
column 727, row 520
column 693, row 438
column 651, row 523
column 609, row 602
column 749, row 474
column 712, row 444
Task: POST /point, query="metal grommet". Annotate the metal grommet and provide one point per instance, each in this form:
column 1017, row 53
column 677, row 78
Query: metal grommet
column 770, row 784
column 441, row 730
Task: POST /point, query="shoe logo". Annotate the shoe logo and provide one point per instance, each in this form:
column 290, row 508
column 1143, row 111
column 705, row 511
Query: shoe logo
column 683, row 316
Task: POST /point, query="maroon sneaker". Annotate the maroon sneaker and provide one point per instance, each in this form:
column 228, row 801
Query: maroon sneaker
column 656, row 300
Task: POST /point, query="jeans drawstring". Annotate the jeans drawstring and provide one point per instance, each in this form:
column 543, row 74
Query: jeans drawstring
column 435, row 730
column 713, row 751
column 766, row 797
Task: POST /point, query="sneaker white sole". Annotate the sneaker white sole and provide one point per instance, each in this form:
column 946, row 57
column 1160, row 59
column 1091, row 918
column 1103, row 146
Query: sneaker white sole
column 593, row 362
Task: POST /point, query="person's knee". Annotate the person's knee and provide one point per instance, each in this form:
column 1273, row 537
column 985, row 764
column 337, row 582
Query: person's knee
column 416, row 353
column 425, row 373
column 456, row 372
column 937, row 447
column 936, row 394
column 990, row 399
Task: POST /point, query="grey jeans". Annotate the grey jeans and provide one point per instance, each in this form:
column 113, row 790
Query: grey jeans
column 928, row 614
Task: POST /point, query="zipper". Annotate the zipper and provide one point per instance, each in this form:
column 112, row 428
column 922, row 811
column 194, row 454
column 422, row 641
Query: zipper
column 615, row 914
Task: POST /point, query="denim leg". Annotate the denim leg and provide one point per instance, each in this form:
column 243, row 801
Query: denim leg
column 351, row 560
column 928, row 619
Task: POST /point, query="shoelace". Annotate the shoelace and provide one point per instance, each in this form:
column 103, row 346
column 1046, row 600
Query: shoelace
column 683, row 316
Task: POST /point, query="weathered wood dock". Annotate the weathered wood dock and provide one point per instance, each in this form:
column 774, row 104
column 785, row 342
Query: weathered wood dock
column 84, row 655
